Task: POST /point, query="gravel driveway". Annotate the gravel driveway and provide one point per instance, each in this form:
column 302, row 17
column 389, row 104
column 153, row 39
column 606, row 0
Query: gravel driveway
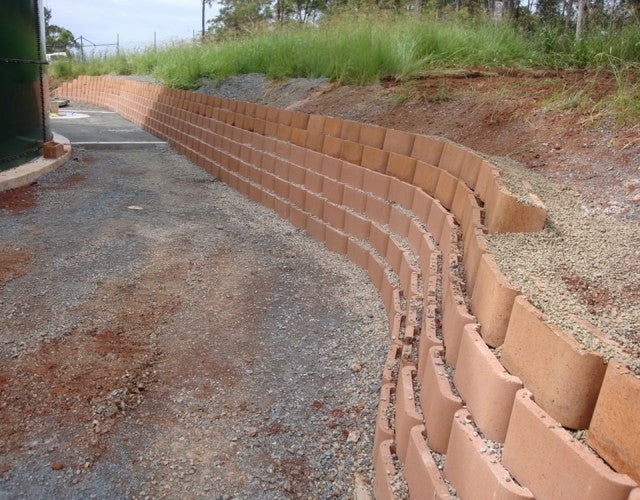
column 163, row 336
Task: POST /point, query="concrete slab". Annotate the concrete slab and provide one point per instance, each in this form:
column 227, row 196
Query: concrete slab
column 94, row 128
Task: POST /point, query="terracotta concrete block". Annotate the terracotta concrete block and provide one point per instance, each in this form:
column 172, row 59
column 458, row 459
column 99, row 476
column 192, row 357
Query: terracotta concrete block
column 376, row 183
column 506, row 214
column 281, row 169
column 297, row 155
column 299, row 137
column 437, row 217
column 269, row 145
column 421, row 472
column 299, row 120
column 255, row 193
column 427, row 149
column 332, row 146
column 486, row 387
column 336, row 240
column 375, row 268
column 330, row 167
column 384, row 430
column 388, row 292
column 332, row 190
column 313, row 160
column 333, row 214
column 475, row 247
column 272, row 114
column 357, row 254
column 452, row 159
column 416, row 233
column 397, row 141
column 617, row 412
column 352, row 152
column 384, row 471
column 446, row 189
column 402, row 193
column 267, row 180
column 471, row 169
column 378, row 239
column 295, row 174
column 315, row 141
column 635, row 494
column 259, row 126
column 377, row 209
column 564, row 378
column 389, row 375
column 401, row 166
column 297, row 195
column 474, row 473
column 351, row 175
column 454, row 317
column 283, row 132
column 283, row 150
column 313, row 181
column 356, row 225
column 407, row 415
column 285, row 116
column 392, row 254
column 354, row 199
column 374, row 159
column 350, row 131
column 316, row 229
column 372, row 136
column 282, row 208
column 421, row 205
column 52, row 150
column 492, row 300
column 426, row 177
column 399, row 222
column 460, row 201
column 332, row 126
column 315, row 123
column 545, row 457
column 313, row 204
column 269, row 163
column 437, row 399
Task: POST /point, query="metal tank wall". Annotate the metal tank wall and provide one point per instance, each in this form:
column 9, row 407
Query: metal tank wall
column 24, row 102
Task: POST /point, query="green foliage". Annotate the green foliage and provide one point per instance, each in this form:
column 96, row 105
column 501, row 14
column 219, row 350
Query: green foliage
column 57, row 39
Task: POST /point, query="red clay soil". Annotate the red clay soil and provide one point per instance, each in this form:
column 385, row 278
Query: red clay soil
column 510, row 115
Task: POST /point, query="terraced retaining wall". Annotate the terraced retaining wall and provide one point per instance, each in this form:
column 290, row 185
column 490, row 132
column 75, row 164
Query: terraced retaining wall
column 480, row 392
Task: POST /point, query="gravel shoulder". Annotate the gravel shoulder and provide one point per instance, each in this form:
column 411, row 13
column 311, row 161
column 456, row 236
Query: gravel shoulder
column 163, row 336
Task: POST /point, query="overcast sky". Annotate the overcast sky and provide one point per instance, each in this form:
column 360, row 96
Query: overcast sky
column 135, row 20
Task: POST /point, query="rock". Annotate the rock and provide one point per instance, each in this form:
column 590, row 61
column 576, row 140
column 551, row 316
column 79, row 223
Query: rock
column 57, row 466
column 353, row 437
column 250, row 431
column 356, row 367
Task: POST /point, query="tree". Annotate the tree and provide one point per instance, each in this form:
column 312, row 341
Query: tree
column 57, row 39
column 240, row 17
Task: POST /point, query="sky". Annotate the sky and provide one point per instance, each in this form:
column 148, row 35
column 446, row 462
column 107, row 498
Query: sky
column 135, row 20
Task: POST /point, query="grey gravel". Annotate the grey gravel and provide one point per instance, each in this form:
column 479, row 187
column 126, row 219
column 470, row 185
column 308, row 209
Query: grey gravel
column 251, row 393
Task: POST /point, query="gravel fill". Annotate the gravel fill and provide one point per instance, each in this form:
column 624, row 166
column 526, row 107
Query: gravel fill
column 256, row 87
column 200, row 346
column 584, row 264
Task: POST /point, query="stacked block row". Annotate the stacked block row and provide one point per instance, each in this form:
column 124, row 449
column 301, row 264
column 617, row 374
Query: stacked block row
column 413, row 212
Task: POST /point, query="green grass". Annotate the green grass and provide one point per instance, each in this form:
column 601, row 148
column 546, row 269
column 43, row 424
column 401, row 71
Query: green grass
column 367, row 48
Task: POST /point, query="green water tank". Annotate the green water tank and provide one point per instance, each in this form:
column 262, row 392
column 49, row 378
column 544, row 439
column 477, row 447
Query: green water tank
column 24, row 117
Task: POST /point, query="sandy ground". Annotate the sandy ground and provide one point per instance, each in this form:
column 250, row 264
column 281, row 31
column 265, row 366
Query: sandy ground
column 162, row 336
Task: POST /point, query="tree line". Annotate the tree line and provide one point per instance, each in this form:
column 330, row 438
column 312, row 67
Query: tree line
column 242, row 17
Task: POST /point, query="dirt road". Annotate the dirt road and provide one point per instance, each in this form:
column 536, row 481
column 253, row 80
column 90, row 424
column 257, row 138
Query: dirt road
column 162, row 336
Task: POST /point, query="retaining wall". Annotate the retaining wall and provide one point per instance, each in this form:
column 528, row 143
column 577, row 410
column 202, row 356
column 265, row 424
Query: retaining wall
column 479, row 389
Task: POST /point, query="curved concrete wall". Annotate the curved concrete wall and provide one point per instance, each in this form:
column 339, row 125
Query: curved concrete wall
column 413, row 211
